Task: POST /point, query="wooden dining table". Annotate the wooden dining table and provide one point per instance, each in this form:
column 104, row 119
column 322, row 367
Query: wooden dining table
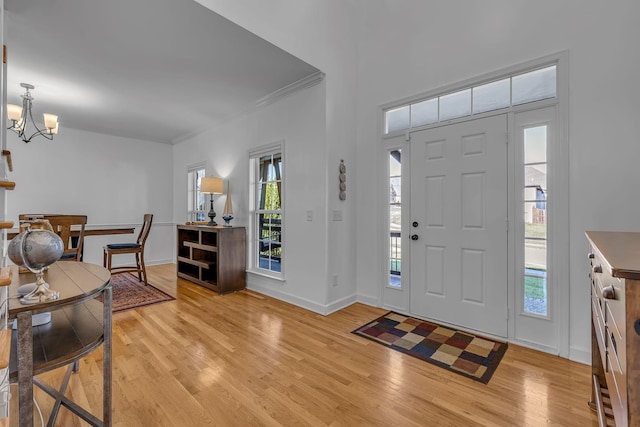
column 11, row 233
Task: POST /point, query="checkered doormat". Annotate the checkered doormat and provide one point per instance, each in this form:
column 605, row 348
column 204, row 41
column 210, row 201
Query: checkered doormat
column 462, row 352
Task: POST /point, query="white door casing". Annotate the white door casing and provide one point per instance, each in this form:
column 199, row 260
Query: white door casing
column 459, row 201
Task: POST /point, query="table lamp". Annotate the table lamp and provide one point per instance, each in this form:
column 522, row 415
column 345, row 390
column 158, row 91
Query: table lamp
column 212, row 186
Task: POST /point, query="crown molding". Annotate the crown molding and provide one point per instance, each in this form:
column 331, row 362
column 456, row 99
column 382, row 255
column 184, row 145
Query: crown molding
column 303, row 83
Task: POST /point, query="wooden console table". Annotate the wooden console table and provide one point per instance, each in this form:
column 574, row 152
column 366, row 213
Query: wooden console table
column 79, row 324
column 614, row 260
column 213, row 257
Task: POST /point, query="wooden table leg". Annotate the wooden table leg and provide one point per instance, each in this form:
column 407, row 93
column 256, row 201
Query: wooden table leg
column 106, row 365
column 25, row 369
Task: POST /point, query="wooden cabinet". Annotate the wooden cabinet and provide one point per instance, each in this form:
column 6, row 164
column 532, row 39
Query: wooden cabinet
column 615, row 330
column 213, row 257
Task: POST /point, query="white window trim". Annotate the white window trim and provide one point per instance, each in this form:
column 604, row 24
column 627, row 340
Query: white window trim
column 549, row 60
column 251, row 249
column 192, row 168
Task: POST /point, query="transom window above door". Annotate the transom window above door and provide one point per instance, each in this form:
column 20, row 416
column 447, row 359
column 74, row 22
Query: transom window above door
column 507, row 92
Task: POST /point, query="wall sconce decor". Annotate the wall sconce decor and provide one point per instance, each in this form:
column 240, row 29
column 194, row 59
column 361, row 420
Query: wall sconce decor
column 18, row 116
column 343, row 180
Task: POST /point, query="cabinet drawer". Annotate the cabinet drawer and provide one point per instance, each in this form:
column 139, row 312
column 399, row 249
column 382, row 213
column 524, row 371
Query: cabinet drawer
column 616, row 340
column 616, row 305
column 600, row 330
column 617, row 385
column 597, row 301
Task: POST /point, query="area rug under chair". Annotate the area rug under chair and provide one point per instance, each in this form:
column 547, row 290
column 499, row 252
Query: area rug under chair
column 130, row 293
column 470, row 355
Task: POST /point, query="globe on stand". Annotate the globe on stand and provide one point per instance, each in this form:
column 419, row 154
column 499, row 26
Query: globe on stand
column 36, row 249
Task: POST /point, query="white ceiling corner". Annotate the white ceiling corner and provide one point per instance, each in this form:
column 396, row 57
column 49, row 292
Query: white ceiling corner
column 156, row 70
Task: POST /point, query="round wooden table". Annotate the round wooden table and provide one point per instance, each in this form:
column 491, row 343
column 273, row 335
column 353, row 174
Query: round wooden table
column 80, row 322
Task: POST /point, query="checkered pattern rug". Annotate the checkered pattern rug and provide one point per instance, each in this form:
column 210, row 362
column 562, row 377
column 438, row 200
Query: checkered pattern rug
column 467, row 354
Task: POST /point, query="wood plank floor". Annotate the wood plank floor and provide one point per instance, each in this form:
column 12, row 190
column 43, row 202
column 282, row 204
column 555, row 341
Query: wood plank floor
column 245, row 359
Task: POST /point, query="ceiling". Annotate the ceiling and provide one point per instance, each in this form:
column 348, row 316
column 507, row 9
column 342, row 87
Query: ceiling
column 157, row 70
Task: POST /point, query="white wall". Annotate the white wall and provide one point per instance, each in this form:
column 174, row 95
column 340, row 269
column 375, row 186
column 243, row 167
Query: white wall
column 321, row 33
column 299, row 121
column 413, row 46
column 408, row 47
column 112, row 180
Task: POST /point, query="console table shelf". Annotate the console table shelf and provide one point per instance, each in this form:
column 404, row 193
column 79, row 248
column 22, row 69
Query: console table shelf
column 195, row 245
column 203, row 263
column 213, row 257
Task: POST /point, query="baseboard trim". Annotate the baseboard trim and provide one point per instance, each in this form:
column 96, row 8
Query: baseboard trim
column 580, row 354
column 147, row 262
column 286, row 297
column 341, row 303
column 160, row 261
column 323, row 309
column 368, row 300
column 536, row 346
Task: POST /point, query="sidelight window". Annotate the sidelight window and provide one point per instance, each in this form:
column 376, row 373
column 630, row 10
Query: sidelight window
column 395, row 217
column 535, row 220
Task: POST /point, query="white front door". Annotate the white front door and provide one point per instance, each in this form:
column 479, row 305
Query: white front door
column 458, row 208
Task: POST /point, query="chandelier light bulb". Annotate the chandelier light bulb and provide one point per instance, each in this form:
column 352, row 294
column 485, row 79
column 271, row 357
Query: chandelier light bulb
column 14, row 112
column 50, row 121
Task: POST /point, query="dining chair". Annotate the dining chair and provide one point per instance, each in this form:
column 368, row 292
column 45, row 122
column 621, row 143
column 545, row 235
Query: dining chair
column 136, row 248
column 65, row 226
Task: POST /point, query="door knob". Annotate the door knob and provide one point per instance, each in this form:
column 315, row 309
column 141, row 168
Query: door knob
column 414, row 237
column 414, row 223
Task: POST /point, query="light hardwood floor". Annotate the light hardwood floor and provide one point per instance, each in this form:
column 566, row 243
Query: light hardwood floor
column 246, row 359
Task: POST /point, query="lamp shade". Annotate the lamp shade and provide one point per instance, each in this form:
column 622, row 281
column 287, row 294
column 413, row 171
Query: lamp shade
column 14, row 112
column 211, row 185
column 50, row 121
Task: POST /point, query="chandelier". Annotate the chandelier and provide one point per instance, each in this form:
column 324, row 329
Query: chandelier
column 18, row 116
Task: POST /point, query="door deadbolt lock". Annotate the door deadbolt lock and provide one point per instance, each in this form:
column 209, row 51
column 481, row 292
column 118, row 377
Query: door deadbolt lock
column 414, row 223
column 414, row 237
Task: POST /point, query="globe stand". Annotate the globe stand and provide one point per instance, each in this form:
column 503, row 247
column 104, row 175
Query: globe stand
column 42, row 292
column 36, row 249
